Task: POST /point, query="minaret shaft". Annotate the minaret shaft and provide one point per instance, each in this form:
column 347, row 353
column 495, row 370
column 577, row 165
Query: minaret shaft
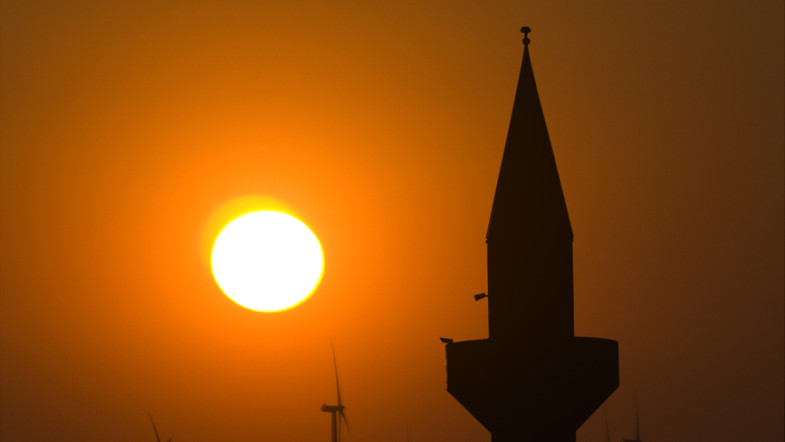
column 529, row 235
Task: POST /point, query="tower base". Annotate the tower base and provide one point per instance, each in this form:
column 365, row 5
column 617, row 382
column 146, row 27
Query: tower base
column 541, row 393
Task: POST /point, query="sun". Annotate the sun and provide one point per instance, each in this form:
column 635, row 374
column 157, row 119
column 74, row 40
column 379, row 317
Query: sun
column 267, row 261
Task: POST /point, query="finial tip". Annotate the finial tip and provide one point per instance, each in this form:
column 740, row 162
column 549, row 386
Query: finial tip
column 526, row 31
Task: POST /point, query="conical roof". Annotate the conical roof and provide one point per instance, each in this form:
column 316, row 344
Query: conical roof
column 529, row 199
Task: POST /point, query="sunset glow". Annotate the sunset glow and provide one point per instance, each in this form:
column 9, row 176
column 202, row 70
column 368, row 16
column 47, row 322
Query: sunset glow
column 134, row 133
column 267, row 261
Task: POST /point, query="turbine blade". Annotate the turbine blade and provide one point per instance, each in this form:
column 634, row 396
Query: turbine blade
column 345, row 420
column 637, row 420
column 157, row 437
column 337, row 384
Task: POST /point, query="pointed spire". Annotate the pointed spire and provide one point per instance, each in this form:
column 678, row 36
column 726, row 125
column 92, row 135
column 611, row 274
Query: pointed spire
column 528, row 189
column 529, row 235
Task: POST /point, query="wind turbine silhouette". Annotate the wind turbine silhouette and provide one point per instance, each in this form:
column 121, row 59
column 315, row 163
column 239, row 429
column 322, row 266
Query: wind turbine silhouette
column 157, row 437
column 336, row 410
column 637, row 424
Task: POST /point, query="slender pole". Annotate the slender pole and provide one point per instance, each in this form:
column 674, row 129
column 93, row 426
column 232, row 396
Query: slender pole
column 334, row 426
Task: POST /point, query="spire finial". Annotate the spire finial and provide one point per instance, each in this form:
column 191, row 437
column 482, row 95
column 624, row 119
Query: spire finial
column 526, row 31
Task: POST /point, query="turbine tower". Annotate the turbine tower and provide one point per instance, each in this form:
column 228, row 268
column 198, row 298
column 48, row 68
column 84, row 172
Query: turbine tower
column 532, row 379
column 637, row 424
column 336, row 410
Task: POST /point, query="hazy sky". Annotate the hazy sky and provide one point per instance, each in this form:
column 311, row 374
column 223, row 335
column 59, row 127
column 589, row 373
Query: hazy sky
column 129, row 129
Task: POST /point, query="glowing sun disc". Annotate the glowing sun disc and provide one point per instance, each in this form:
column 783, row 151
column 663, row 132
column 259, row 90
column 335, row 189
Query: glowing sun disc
column 267, row 261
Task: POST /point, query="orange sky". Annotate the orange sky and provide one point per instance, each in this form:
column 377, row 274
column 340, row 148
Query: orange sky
column 127, row 125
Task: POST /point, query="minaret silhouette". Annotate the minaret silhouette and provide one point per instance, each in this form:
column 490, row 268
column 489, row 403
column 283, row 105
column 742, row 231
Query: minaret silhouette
column 532, row 379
